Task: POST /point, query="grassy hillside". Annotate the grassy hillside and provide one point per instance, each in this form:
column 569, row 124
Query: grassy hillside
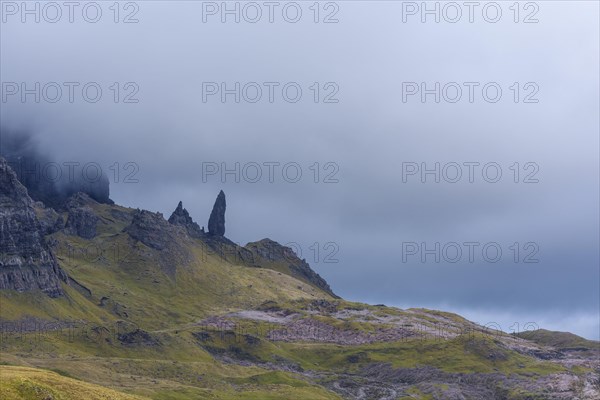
column 120, row 278
column 21, row 383
column 186, row 322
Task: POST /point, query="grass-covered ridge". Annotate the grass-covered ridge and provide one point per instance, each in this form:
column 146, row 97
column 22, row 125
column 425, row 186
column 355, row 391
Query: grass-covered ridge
column 560, row 340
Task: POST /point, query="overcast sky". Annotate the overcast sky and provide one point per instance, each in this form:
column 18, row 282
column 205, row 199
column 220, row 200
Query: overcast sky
column 367, row 208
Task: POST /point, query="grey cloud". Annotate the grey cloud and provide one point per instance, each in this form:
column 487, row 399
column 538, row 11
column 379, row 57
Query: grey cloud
column 369, row 133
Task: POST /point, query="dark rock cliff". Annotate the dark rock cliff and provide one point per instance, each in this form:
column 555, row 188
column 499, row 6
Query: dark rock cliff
column 82, row 222
column 26, row 260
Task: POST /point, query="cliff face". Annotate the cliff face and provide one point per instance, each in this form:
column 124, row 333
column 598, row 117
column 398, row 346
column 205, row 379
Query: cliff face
column 81, row 220
column 26, row 261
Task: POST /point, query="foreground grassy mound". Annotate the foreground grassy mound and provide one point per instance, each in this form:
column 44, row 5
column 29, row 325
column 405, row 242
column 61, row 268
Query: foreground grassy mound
column 22, row 383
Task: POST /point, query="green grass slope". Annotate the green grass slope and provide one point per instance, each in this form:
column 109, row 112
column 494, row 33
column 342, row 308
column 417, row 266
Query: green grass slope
column 186, row 322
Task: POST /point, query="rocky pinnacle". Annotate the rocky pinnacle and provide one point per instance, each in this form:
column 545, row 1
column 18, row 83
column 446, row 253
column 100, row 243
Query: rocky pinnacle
column 182, row 217
column 216, row 222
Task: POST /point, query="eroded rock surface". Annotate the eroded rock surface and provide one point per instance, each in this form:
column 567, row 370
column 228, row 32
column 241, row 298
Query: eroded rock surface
column 182, row 217
column 82, row 222
column 26, row 260
column 167, row 240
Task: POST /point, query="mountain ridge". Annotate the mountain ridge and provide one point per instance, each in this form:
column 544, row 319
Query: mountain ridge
column 160, row 309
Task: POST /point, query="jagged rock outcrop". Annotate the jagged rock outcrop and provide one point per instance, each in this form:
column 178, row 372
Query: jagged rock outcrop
column 79, row 199
column 269, row 254
column 167, row 239
column 181, row 217
column 26, row 260
column 216, row 222
column 50, row 220
column 138, row 337
column 151, row 229
column 82, row 222
column 228, row 250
